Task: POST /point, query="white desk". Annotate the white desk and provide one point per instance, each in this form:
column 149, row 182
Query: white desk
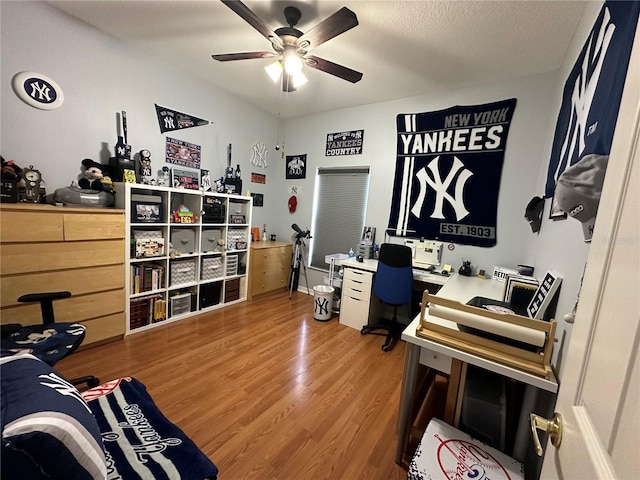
column 356, row 307
column 463, row 289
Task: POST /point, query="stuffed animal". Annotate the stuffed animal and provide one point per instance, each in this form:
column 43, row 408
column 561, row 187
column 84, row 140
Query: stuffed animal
column 10, row 171
column 94, row 178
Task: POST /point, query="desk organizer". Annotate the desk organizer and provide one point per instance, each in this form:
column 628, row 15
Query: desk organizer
column 516, row 341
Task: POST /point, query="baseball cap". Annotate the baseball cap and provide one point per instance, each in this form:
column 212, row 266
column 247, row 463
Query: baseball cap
column 579, row 188
column 293, row 203
column 533, row 213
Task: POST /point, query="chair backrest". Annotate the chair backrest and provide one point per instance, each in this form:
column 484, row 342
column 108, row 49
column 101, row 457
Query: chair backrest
column 393, row 282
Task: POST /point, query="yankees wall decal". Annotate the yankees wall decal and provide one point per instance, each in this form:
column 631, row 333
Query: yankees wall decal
column 593, row 90
column 448, row 168
column 170, row 120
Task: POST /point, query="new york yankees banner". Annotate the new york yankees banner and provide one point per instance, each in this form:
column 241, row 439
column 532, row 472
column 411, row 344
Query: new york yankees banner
column 448, row 168
column 170, row 120
column 593, row 90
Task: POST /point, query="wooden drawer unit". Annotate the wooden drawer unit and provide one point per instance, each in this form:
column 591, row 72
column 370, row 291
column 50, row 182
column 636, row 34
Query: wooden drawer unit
column 46, row 248
column 270, row 267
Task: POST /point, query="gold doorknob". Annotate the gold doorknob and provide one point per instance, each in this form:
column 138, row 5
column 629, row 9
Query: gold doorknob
column 553, row 427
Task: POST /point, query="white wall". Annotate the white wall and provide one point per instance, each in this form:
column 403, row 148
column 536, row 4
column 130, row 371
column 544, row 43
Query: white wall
column 100, row 76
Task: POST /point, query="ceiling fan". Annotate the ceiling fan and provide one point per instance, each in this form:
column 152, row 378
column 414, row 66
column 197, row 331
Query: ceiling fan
column 292, row 46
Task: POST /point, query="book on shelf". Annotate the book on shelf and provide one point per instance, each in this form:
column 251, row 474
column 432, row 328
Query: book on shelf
column 146, row 277
column 146, row 310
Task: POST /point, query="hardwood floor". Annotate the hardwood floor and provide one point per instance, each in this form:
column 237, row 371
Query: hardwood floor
column 266, row 391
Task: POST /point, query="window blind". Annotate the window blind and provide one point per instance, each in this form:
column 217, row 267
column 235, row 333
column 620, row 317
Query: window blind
column 339, row 210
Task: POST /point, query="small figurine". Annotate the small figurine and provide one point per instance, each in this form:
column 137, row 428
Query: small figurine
column 163, row 176
column 145, row 167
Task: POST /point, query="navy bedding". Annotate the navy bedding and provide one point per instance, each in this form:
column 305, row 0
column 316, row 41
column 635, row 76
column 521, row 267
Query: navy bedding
column 140, row 442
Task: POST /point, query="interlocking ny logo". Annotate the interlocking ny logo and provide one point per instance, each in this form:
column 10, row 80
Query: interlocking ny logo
column 169, row 124
column 41, row 91
column 322, row 306
column 442, row 188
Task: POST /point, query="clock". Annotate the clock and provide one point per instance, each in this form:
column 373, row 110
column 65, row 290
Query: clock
column 32, row 182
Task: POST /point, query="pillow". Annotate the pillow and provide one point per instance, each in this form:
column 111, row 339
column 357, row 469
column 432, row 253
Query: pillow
column 48, row 431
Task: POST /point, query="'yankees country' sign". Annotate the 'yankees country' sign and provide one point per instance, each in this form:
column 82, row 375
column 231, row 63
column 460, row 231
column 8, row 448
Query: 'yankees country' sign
column 448, row 168
column 593, row 90
column 344, row 143
column 173, row 120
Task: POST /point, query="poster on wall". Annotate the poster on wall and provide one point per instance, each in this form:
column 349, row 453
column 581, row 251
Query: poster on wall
column 183, row 153
column 170, row 120
column 258, row 199
column 448, row 169
column 593, row 90
column 344, row 143
column 296, row 166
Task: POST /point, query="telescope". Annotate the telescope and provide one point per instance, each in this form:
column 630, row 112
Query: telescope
column 300, row 233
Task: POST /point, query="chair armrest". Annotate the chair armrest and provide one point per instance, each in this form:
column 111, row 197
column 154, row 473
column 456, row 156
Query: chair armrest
column 46, row 302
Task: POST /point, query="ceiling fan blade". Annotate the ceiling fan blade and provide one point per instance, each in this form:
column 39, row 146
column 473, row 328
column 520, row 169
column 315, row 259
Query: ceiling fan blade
column 341, row 21
column 226, row 57
column 252, row 19
column 333, row 68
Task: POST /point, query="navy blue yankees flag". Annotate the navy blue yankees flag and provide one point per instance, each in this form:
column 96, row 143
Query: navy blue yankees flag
column 448, row 169
column 593, row 90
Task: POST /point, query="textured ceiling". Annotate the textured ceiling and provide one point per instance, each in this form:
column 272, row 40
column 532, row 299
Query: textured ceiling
column 402, row 48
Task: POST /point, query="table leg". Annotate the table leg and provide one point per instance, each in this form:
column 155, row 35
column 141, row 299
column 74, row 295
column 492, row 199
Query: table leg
column 455, row 391
column 411, row 361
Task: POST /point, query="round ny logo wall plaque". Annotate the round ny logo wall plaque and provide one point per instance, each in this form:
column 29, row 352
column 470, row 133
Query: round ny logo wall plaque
column 37, row 90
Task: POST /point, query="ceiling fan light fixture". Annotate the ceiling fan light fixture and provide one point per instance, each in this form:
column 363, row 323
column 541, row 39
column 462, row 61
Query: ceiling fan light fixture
column 292, row 63
column 274, row 70
column 299, row 79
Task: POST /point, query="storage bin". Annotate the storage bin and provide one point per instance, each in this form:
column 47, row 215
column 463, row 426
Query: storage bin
column 232, row 264
column 182, row 271
column 211, row 268
column 180, row 304
column 235, row 236
column 209, row 240
column 183, row 240
column 210, row 294
column 232, row 290
column 213, row 210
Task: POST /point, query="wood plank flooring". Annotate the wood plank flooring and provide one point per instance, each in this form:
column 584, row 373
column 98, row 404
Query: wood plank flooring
column 266, row 391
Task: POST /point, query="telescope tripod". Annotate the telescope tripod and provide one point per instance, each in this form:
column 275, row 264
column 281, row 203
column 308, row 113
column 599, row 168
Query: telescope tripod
column 297, row 259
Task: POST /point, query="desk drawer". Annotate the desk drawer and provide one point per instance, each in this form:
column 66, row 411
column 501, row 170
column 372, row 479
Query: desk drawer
column 359, row 277
column 437, row 361
column 354, row 313
column 357, row 291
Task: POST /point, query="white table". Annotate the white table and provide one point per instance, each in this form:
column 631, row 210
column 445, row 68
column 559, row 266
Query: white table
column 462, row 289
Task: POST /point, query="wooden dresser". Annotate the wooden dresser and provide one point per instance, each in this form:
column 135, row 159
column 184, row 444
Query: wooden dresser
column 270, row 264
column 44, row 248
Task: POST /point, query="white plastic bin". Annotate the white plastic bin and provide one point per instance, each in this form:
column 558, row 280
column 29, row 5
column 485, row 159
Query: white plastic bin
column 322, row 302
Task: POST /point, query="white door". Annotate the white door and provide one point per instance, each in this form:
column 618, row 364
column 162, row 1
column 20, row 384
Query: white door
column 599, row 396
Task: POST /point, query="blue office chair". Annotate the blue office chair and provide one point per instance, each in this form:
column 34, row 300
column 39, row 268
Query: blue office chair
column 393, row 284
column 49, row 341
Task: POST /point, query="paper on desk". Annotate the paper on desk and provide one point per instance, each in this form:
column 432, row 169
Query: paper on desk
column 490, row 325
